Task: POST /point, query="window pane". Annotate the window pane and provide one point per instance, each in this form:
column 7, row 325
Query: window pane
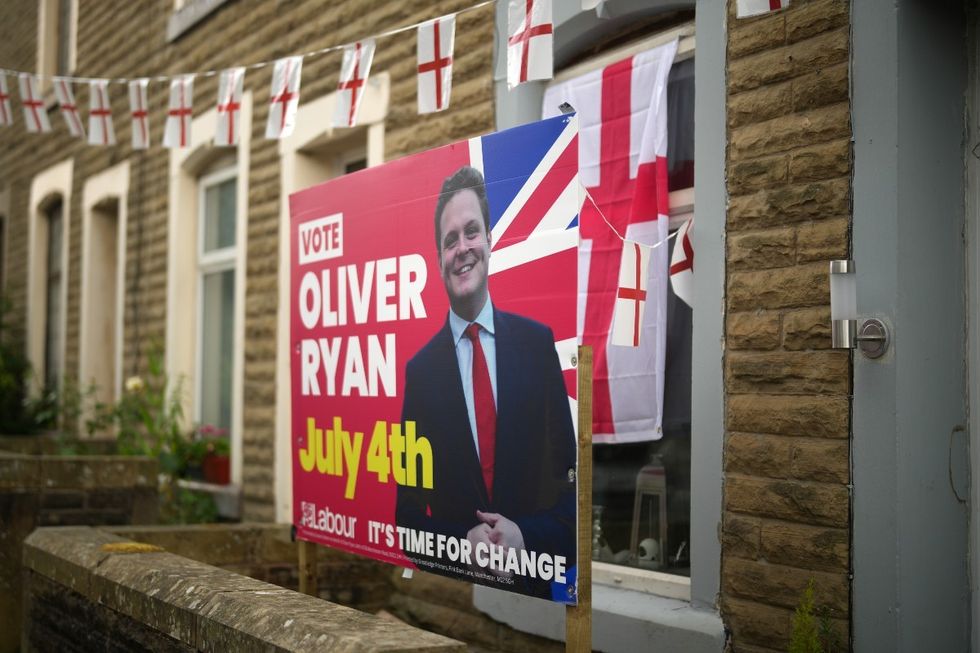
column 219, row 216
column 217, row 329
column 53, row 308
column 680, row 125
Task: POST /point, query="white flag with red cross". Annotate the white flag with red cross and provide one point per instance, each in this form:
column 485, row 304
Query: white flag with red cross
column 747, row 8
column 177, row 131
column 354, row 71
column 35, row 115
column 530, row 41
column 100, row 128
column 69, row 109
column 682, row 265
column 622, row 112
column 139, row 113
column 284, row 97
column 436, row 39
column 631, row 295
column 6, row 115
column 230, row 86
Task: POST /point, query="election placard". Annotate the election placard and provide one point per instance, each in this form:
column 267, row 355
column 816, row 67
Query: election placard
column 432, row 360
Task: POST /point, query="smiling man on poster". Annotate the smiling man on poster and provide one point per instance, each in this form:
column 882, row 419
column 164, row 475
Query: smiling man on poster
column 488, row 393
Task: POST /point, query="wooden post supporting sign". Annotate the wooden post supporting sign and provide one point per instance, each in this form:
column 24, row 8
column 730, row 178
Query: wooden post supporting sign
column 307, row 567
column 578, row 618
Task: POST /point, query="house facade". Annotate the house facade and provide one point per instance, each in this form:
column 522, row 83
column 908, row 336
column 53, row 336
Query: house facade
column 826, row 130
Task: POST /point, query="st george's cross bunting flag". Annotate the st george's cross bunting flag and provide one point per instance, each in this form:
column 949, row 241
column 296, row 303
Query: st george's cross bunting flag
column 229, row 106
column 100, row 129
column 6, row 116
column 177, row 131
column 747, row 8
column 530, row 41
column 284, row 97
column 631, row 295
column 435, row 63
column 354, row 70
column 139, row 113
column 35, row 114
column 622, row 111
column 69, row 109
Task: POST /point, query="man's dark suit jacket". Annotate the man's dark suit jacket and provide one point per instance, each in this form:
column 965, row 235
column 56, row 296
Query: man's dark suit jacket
column 534, row 449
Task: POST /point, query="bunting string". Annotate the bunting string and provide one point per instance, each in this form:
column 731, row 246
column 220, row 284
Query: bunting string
column 254, row 66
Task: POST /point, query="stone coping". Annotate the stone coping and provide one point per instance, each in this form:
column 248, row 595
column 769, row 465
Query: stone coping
column 209, row 608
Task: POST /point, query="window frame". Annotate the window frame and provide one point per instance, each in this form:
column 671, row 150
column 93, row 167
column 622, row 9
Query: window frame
column 222, row 259
column 49, row 44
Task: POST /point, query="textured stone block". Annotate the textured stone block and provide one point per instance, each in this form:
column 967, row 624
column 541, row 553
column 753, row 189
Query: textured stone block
column 765, row 33
column 805, row 545
column 820, row 88
column 786, row 132
column 823, row 240
column 753, row 174
column 784, row 586
column 811, row 18
column 798, row 286
column 781, row 63
column 808, row 328
column 824, row 372
column 740, row 536
column 820, row 460
column 808, row 503
column 758, row 455
column 752, row 330
column 755, row 623
column 759, row 104
column 770, row 248
column 819, row 162
column 788, row 204
column 825, row 417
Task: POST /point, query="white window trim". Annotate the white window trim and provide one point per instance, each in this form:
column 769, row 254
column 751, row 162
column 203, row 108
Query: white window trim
column 217, row 260
column 47, row 30
column 5, row 221
column 56, row 180
column 310, row 131
column 113, row 182
column 182, row 266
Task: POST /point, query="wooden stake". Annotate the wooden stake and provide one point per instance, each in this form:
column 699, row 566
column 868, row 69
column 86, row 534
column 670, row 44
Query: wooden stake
column 307, row 567
column 578, row 618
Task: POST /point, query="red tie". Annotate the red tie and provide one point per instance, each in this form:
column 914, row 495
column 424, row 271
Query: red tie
column 486, row 410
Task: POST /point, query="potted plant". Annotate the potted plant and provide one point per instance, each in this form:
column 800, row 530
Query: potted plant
column 212, row 442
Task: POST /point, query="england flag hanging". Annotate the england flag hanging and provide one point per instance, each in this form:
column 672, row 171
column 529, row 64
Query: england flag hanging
column 354, row 72
column 682, row 265
column 230, row 86
column 35, row 115
column 69, row 110
column 435, row 63
column 747, row 8
column 284, row 97
column 622, row 110
column 631, row 294
column 139, row 113
column 177, row 131
column 529, row 41
column 6, row 116
column 100, row 129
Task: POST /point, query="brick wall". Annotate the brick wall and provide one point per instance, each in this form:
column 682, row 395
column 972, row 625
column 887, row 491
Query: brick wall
column 787, row 411
column 63, row 491
column 130, row 39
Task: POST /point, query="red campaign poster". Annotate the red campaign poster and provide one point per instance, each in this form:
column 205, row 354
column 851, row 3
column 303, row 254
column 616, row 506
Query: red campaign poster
column 433, row 350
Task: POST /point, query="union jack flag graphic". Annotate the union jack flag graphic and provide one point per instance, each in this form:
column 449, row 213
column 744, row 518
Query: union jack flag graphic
column 534, row 205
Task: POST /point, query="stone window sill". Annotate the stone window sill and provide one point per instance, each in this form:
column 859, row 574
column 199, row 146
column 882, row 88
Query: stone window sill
column 622, row 620
column 227, row 498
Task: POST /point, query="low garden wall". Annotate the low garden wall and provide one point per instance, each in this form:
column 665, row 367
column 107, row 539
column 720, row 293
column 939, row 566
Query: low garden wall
column 88, row 588
column 48, row 490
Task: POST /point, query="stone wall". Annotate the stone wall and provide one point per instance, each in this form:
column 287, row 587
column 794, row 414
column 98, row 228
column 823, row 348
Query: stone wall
column 88, row 589
column 786, row 498
column 131, row 41
column 63, row 490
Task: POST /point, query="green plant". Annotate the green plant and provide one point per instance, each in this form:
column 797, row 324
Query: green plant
column 18, row 413
column 813, row 630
